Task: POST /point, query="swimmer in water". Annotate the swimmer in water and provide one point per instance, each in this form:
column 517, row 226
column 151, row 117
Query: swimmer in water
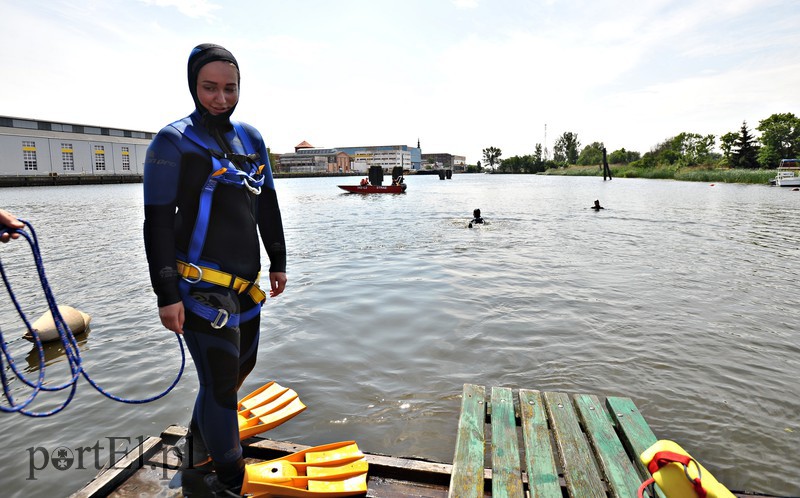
column 476, row 218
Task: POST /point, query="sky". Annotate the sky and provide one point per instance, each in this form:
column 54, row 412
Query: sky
column 456, row 75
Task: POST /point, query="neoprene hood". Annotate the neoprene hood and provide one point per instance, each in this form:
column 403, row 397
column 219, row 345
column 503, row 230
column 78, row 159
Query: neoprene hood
column 200, row 56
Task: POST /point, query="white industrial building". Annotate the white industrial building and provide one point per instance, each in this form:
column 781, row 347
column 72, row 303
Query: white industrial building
column 32, row 148
column 309, row 159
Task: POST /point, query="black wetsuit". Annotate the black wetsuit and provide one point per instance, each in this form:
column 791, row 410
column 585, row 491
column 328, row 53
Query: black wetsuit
column 175, row 171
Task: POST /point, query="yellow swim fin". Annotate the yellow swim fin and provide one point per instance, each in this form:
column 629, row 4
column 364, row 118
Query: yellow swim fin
column 331, row 470
column 267, row 407
column 678, row 474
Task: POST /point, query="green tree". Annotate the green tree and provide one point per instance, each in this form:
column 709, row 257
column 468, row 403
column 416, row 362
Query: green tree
column 591, row 154
column 693, row 148
column 538, row 159
column 522, row 164
column 726, row 143
column 622, row 156
column 684, row 149
column 565, row 149
column 492, row 155
column 273, row 161
column 514, row 164
column 745, row 152
column 559, row 155
column 780, row 139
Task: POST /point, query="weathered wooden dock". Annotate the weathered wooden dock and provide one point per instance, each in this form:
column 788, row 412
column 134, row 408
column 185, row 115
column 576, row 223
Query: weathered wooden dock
column 150, row 470
column 510, row 443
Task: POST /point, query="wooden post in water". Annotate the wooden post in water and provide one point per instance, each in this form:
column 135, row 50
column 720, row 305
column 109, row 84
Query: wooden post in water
column 606, row 169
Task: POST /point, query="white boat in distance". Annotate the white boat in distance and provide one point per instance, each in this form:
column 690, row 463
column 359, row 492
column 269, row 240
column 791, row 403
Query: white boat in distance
column 788, row 173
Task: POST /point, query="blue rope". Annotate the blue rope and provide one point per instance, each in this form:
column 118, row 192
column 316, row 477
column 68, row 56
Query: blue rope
column 67, row 339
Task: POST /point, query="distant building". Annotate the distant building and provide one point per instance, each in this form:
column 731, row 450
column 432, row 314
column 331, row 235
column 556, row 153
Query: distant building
column 306, row 158
column 37, row 148
column 386, row 156
column 32, row 148
column 444, row 161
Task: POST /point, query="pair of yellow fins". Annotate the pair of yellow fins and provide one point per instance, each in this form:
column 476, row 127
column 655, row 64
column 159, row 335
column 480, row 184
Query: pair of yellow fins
column 331, row 470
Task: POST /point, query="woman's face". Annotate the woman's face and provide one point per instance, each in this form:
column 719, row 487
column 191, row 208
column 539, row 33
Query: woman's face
column 218, row 86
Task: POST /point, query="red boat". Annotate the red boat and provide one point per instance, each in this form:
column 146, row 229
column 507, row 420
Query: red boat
column 375, row 189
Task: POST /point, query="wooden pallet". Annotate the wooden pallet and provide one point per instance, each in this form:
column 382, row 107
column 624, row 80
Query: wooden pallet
column 575, row 446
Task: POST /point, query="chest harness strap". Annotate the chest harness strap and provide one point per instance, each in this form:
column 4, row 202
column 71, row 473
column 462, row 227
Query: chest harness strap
column 223, row 170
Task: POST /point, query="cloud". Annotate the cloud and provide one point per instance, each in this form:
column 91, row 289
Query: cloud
column 465, row 4
column 190, row 8
column 460, row 75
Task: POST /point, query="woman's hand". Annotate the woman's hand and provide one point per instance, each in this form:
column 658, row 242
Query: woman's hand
column 277, row 282
column 172, row 317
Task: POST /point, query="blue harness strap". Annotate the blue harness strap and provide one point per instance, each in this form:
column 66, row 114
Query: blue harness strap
column 228, row 174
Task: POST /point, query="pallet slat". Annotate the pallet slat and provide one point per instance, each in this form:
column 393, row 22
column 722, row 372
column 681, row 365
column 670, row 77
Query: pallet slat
column 634, row 433
column 580, row 472
column 543, row 479
column 621, row 476
column 506, row 469
column 120, row 471
column 466, row 480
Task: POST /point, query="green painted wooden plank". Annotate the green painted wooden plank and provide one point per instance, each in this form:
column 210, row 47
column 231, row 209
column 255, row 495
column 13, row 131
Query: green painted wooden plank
column 539, row 461
column 506, row 469
column 466, row 480
column 634, row 433
column 580, row 471
column 621, row 475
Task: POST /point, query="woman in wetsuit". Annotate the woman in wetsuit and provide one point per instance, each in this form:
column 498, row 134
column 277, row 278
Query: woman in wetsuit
column 200, row 225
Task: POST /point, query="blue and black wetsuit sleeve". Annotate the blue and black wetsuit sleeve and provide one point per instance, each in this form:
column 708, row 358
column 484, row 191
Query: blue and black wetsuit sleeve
column 270, row 224
column 162, row 171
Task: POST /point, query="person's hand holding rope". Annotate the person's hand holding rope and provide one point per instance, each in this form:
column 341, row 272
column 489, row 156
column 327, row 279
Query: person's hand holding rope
column 8, row 220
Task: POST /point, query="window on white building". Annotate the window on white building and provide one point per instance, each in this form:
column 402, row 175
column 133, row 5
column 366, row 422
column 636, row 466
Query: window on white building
column 67, row 157
column 126, row 159
column 29, row 155
column 99, row 158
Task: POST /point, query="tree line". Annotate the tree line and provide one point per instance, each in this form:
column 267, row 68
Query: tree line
column 779, row 139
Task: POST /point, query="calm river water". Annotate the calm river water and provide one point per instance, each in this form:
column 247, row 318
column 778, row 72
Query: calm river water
column 682, row 296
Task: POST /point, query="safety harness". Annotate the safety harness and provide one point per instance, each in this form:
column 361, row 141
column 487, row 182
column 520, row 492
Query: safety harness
column 193, row 270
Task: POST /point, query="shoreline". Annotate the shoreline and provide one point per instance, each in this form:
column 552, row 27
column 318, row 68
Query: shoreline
column 58, row 180
column 690, row 174
column 687, row 174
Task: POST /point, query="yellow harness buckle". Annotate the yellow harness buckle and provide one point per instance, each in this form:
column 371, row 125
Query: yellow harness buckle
column 194, row 274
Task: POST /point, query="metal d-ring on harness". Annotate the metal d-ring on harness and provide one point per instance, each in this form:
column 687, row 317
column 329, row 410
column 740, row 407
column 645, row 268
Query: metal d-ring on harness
column 229, row 175
column 67, row 340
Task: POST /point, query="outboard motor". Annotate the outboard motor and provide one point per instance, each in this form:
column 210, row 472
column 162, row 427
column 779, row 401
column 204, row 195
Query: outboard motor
column 397, row 172
column 376, row 175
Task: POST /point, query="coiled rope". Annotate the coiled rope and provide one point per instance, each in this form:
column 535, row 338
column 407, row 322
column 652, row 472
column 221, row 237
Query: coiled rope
column 67, row 339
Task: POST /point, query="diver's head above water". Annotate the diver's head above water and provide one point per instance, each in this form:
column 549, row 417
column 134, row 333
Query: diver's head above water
column 214, row 83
